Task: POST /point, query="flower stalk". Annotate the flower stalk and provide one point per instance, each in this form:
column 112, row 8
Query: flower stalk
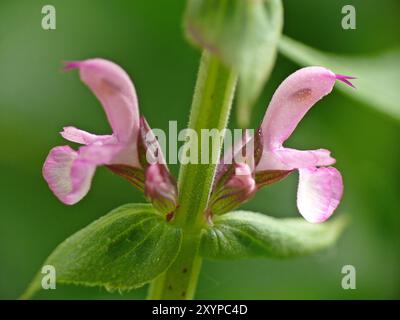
column 211, row 107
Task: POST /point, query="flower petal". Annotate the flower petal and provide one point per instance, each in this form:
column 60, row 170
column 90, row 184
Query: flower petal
column 289, row 159
column 113, row 87
column 57, row 171
column 69, row 173
column 81, row 176
column 319, row 193
column 100, row 154
column 291, row 101
column 84, row 167
column 80, row 136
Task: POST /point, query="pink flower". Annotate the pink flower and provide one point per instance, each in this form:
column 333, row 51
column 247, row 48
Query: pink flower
column 68, row 172
column 320, row 186
column 267, row 161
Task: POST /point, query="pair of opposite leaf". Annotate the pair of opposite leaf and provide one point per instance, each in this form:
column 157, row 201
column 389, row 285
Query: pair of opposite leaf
column 69, row 173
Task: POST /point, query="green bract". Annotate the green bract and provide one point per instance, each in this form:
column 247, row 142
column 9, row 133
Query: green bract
column 245, row 234
column 125, row 249
column 244, row 35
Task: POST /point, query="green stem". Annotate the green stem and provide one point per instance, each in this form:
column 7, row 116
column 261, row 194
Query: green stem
column 211, row 107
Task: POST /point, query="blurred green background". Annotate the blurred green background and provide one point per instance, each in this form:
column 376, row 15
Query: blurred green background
column 146, row 38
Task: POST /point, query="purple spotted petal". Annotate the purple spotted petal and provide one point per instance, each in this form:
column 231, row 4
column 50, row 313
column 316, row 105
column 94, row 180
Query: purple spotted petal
column 291, row 101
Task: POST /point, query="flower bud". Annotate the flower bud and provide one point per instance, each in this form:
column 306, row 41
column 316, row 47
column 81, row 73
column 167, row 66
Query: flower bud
column 160, row 188
column 242, row 179
column 236, row 186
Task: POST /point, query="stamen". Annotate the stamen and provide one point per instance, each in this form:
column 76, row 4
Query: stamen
column 68, row 65
column 345, row 79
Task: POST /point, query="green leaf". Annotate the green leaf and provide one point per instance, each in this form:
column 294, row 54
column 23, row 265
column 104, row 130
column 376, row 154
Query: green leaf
column 244, row 35
column 378, row 79
column 245, row 234
column 125, row 249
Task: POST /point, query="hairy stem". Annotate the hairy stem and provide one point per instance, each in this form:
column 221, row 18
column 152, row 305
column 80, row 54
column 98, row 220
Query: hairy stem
column 211, row 107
